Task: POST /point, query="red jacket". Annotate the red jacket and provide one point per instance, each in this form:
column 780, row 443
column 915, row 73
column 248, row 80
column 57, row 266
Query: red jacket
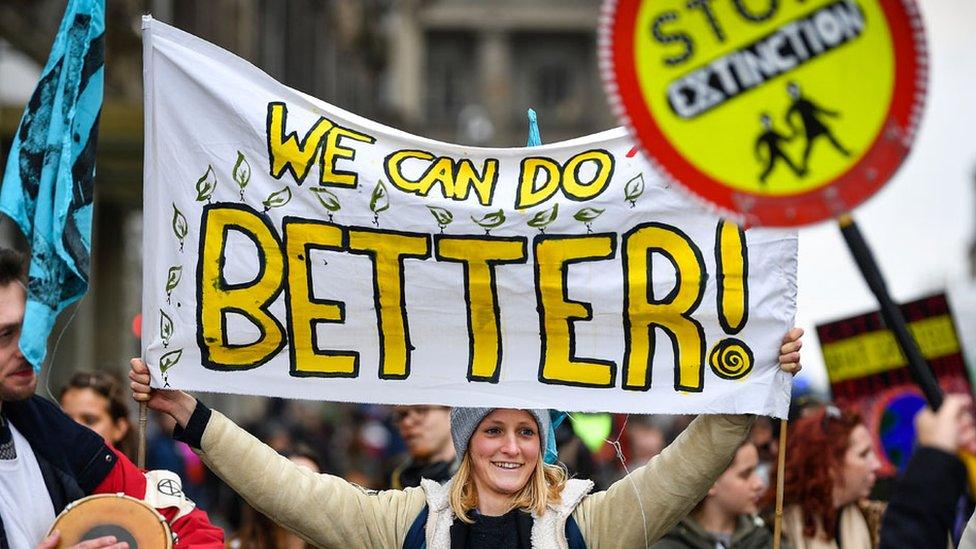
column 75, row 462
column 192, row 529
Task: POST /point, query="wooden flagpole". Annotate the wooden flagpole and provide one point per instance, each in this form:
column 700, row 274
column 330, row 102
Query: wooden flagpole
column 780, row 474
column 141, row 455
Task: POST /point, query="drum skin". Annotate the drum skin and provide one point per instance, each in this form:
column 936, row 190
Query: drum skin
column 128, row 519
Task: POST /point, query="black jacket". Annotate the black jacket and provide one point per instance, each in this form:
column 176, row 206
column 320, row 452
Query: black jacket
column 73, row 459
column 408, row 474
column 923, row 504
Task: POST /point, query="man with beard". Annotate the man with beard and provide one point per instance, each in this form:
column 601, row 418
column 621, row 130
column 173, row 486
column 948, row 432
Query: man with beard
column 43, row 452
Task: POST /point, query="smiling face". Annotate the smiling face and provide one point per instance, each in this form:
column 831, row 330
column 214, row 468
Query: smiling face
column 504, row 450
column 859, row 468
column 17, row 380
column 91, row 409
column 738, row 490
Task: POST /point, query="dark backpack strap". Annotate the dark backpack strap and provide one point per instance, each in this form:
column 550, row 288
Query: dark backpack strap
column 573, row 534
column 416, row 534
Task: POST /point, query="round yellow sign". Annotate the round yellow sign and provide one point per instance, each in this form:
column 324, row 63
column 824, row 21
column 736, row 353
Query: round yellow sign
column 786, row 111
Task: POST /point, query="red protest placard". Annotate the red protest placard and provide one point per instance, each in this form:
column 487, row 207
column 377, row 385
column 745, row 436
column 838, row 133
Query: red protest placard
column 868, row 372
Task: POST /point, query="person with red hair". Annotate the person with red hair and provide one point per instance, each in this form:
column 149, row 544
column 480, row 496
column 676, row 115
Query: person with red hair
column 831, row 467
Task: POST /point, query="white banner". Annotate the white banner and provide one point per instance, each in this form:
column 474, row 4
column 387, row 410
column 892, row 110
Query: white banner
column 294, row 249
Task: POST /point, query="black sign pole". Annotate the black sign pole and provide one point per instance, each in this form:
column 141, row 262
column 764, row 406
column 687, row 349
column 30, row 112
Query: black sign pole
column 890, row 312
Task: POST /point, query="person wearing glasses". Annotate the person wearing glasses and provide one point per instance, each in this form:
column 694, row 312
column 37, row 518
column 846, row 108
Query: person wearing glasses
column 426, row 430
column 831, row 467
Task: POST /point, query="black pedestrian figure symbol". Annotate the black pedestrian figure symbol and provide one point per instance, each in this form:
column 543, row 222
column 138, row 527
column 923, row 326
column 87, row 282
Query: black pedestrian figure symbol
column 771, row 140
column 811, row 115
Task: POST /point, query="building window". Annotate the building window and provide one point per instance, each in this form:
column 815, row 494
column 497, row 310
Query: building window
column 555, row 75
column 450, row 74
column 552, row 86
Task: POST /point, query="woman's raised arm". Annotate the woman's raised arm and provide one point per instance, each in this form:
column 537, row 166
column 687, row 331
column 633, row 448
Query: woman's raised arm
column 672, row 483
column 323, row 509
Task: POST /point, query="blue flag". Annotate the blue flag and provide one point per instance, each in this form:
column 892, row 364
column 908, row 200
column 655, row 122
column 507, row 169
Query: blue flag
column 48, row 183
column 535, row 138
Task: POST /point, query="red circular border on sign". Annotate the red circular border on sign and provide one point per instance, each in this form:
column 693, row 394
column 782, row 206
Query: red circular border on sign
column 857, row 184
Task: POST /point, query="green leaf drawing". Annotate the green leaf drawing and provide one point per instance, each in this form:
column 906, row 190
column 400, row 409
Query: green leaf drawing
column 327, row 198
column 180, row 227
column 165, row 327
column 173, row 278
column 380, row 200
column 242, row 172
column 277, row 199
column 490, row 220
column 169, row 360
column 441, row 215
column 542, row 219
column 634, row 189
column 587, row 215
column 206, row 185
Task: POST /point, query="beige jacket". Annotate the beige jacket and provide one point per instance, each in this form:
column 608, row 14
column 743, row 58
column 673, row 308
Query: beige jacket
column 330, row 512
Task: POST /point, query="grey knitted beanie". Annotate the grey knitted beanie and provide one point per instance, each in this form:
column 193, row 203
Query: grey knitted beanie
column 465, row 420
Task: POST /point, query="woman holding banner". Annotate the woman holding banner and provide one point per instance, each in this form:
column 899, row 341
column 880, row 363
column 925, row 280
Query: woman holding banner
column 503, row 494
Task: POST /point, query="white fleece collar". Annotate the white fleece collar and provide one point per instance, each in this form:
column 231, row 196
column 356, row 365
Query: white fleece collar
column 548, row 531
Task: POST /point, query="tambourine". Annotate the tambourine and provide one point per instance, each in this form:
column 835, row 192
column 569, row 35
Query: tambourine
column 128, row 519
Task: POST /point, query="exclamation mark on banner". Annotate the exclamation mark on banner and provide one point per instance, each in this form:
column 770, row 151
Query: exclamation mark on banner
column 731, row 260
column 731, row 358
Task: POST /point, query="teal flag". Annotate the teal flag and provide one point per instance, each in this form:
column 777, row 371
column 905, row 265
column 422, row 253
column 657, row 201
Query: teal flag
column 48, row 182
column 535, row 138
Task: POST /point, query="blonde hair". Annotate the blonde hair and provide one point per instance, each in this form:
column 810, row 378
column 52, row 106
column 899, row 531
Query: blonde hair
column 544, row 486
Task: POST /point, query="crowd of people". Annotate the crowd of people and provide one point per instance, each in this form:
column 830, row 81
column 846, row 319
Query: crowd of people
column 431, row 476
